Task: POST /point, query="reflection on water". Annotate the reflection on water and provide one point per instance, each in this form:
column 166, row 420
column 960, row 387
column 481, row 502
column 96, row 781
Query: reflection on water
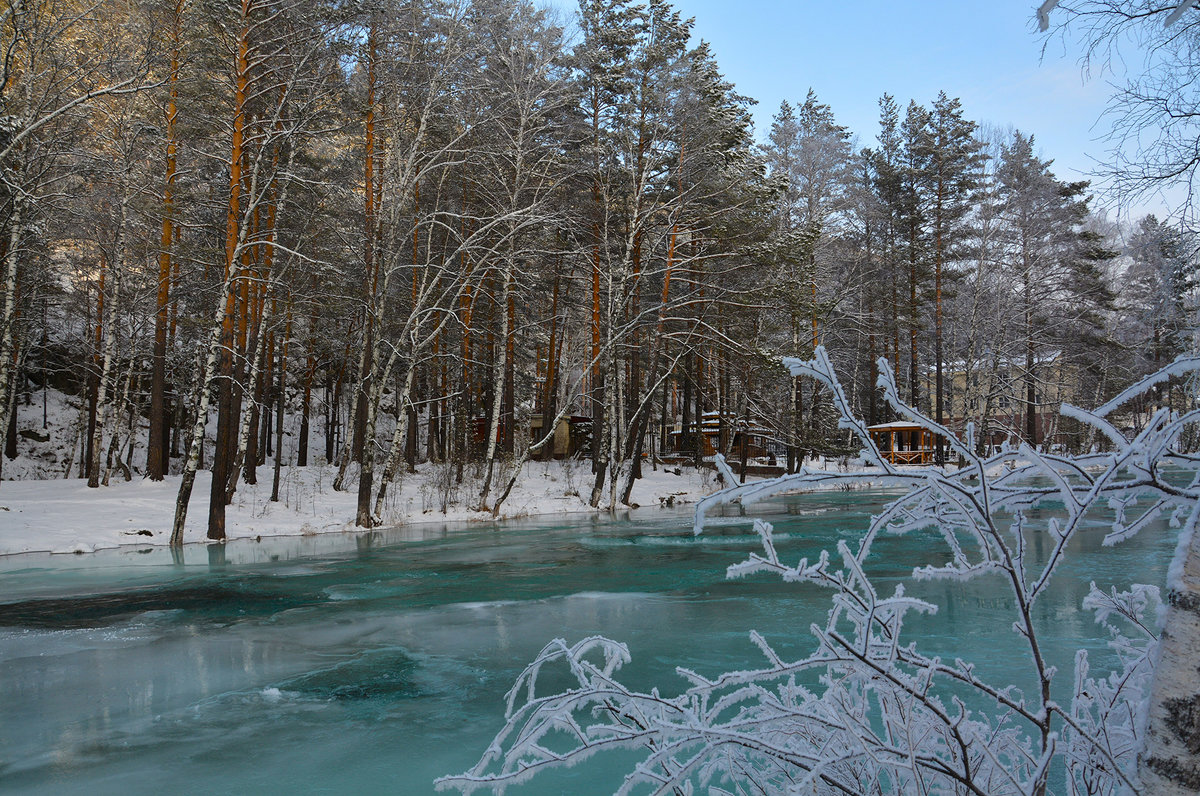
column 374, row 662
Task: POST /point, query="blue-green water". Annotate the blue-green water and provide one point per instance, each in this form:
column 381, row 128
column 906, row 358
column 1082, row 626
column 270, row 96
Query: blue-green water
column 373, row 664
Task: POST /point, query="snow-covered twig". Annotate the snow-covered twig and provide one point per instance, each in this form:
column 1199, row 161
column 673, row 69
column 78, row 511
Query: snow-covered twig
column 866, row 711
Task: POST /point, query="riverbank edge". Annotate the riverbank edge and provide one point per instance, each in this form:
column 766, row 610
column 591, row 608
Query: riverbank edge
column 61, row 517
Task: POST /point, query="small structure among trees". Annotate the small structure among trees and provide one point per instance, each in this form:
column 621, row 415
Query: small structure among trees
column 902, row 442
column 728, row 435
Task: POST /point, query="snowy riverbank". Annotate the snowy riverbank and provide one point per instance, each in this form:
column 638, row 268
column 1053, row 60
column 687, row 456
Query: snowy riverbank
column 64, row 516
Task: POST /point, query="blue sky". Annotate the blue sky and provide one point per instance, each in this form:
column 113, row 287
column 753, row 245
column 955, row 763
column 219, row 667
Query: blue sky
column 985, row 53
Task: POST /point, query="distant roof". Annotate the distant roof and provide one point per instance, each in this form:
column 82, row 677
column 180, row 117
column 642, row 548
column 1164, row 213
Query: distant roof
column 958, row 365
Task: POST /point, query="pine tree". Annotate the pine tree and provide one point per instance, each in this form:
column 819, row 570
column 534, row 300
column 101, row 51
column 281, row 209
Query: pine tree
column 1053, row 258
column 912, row 210
column 952, row 165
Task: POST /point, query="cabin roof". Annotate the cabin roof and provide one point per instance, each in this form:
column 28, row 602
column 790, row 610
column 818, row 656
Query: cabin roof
column 896, row 425
column 759, row 431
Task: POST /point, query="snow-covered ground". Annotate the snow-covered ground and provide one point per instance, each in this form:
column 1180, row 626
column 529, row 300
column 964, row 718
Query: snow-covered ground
column 65, row 516
column 46, row 507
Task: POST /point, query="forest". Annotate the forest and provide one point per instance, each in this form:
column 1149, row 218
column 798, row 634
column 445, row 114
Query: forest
column 375, row 234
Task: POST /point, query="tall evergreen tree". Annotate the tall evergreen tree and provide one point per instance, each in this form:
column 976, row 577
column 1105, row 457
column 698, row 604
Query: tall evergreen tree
column 952, row 159
column 1053, row 257
column 913, row 211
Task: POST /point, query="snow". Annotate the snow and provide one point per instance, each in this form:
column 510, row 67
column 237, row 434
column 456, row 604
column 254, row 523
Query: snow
column 41, row 511
column 1179, row 11
column 882, row 713
column 64, row 516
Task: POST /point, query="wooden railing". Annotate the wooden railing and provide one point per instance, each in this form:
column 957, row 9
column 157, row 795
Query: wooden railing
column 920, row 456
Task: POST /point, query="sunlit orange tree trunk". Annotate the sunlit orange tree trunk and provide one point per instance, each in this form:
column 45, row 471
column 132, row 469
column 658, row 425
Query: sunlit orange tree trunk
column 156, row 450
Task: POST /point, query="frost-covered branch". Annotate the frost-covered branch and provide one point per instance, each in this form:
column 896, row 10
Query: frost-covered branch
column 866, row 711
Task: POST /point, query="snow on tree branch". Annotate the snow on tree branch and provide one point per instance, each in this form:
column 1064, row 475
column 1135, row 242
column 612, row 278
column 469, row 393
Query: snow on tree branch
column 866, row 711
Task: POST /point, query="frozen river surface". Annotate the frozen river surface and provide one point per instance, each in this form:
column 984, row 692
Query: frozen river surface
column 374, row 664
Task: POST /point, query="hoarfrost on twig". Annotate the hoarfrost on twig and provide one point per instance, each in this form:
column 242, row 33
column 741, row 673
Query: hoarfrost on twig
column 866, row 710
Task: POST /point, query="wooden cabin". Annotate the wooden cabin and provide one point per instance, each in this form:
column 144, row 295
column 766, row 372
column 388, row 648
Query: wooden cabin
column 902, row 442
column 760, row 441
column 572, row 435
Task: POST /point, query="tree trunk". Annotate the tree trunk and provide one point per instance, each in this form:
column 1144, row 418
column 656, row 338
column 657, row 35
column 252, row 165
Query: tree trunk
column 222, row 452
column 603, row 442
column 7, row 320
column 305, row 411
column 10, row 431
column 745, row 429
column 433, row 430
column 509, row 414
column 358, row 414
column 939, row 395
column 699, row 391
column 93, row 386
column 157, row 461
column 246, row 436
column 392, row 466
column 914, row 372
column 549, row 407
column 110, row 324
column 369, row 405
column 114, row 444
column 367, row 356
column 596, row 387
column 641, row 416
column 206, row 364
column 280, row 397
column 499, row 367
column 1031, row 424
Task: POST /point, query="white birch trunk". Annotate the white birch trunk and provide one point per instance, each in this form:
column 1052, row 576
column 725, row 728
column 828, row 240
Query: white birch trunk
column 339, row 481
column 196, row 443
column 497, row 388
column 110, row 337
column 114, row 443
column 395, row 454
column 243, row 438
column 10, row 311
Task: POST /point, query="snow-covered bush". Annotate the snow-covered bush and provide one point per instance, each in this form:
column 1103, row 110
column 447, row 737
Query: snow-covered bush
column 868, row 711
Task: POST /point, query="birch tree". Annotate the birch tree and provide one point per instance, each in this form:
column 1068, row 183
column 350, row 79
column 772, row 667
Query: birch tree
column 280, row 66
column 53, row 67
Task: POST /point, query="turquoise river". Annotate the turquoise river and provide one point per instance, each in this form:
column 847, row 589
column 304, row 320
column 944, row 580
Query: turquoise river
column 375, row 663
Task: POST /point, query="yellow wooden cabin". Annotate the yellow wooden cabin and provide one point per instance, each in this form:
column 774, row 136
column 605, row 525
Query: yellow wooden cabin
column 902, row 442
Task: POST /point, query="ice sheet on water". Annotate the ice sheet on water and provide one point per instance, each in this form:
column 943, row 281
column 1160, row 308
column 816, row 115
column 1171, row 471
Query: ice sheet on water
column 716, row 540
column 718, row 521
column 16, row 643
column 295, row 571
column 362, row 591
column 100, row 610
column 593, row 596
